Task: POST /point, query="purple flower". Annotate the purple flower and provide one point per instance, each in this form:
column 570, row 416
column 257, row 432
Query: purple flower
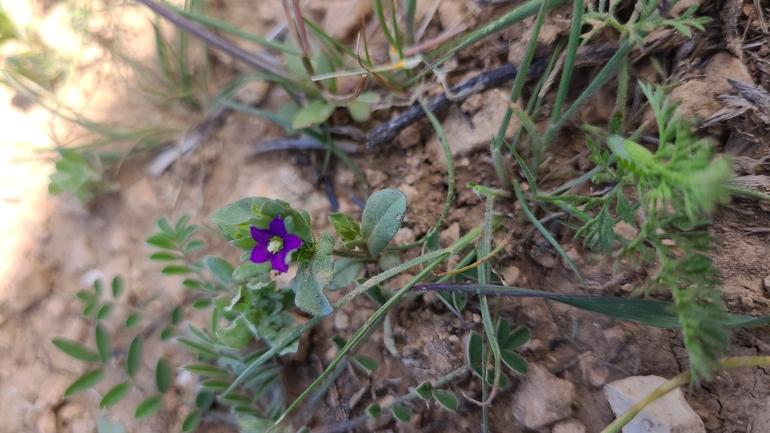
column 274, row 244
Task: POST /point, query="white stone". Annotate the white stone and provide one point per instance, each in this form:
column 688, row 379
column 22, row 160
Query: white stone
column 668, row 414
column 341, row 320
column 543, row 399
column 569, row 426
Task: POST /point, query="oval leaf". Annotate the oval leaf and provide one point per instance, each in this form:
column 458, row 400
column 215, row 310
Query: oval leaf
column 134, row 358
column 82, row 383
column 424, row 390
column 374, row 410
column 103, row 344
column 368, row 363
column 313, row 276
column 447, row 399
column 514, row 361
column 402, row 413
column 132, row 320
column 192, row 420
column 221, row 269
column 383, row 215
column 313, row 114
column 76, row 350
column 117, row 286
column 517, row 338
column 205, row 370
column 104, row 312
column 162, row 375
column 115, row 394
column 204, row 399
column 148, row 407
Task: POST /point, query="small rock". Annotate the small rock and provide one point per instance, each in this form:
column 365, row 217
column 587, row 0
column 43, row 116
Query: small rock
column 511, row 275
column 569, row 426
column 668, row 414
column 594, row 370
column 252, row 93
column 626, row 230
column 627, row 288
column 410, row 192
column 747, row 302
column 341, row 320
column 375, row 178
column 467, row 137
column 766, row 283
column 404, row 236
column 615, row 336
column 409, row 137
column 451, row 234
column 476, row 318
column 47, row 422
column 543, row 399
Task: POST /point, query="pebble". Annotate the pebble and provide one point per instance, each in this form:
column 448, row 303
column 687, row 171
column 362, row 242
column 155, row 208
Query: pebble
column 668, row 414
column 404, row 236
column 766, row 283
column 449, row 235
column 341, row 320
column 543, row 399
column 594, row 370
column 511, row 275
column 569, row 426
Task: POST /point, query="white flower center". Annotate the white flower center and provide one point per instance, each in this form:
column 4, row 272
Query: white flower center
column 275, row 245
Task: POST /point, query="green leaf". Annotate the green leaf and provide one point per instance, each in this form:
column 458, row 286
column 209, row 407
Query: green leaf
column 91, row 308
column 204, row 399
column 446, row 399
column 132, row 320
column 162, row 241
column 236, row 214
column 192, row 420
column 76, row 350
column 197, row 347
column 346, row 227
column 117, row 286
column 115, row 394
column 424, row 390
column 374, row 410
column 194, row 246
column 206, row 370
column 148, row 407
column 383, row 215
column 473, row 349
column 163, row 256
column 103, row 344
column 85, row 381
column 176, row 315
column 86, row 295
column 402, row 413
column 162, row 375
column 502, row 332
column 134, row 357
column 313, row 114
column 514, row 361
column 368, row 363
column 516, row 339
column 313, row 276
column 237, row 335
column 176, row 270
column 215, row 385
column 339, row 342
column 249, row 270
column 221, row 269
column 201, row 304
column 98, row 287
column 360, row 109
column 104, row 312
column 165, row 225
column 167, row 333
column 345, row 271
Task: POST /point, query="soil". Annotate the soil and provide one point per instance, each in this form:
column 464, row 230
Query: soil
column 52, row 247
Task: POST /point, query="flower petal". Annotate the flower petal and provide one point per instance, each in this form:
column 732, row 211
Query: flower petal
column 260, row 235
column 291, row 242
column 279, row 261
column 260, row 254
column 277, row 227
